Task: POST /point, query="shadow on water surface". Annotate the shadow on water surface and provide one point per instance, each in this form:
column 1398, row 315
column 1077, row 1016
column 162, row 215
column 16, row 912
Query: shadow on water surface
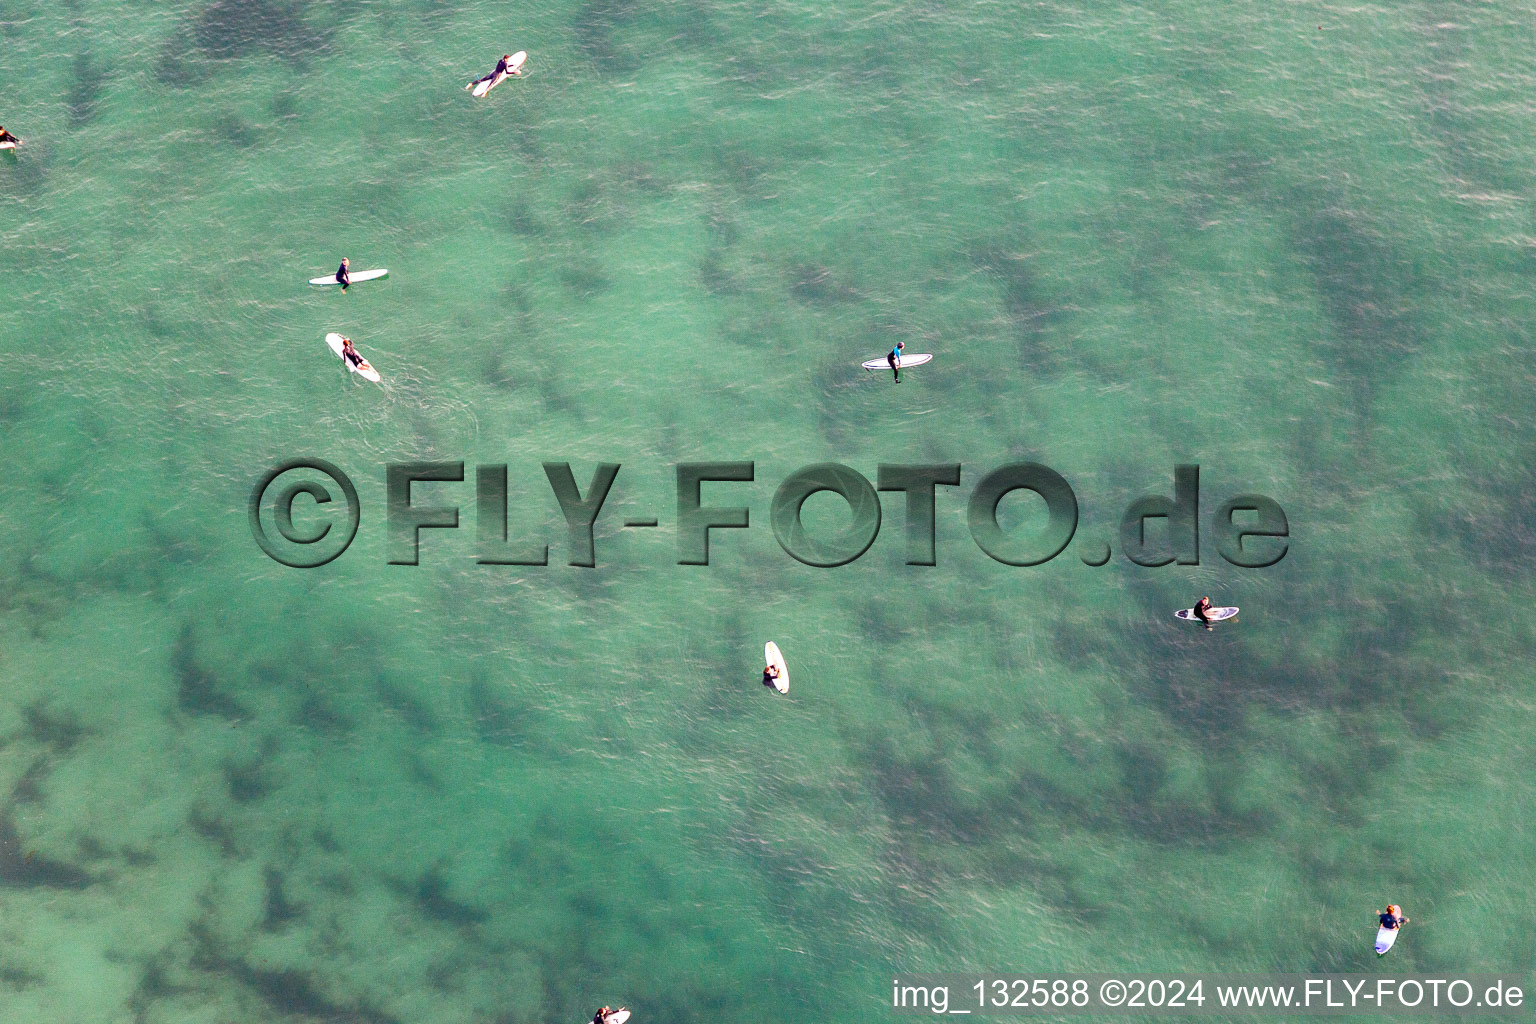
column 231, row 29
column 297, row 993
column 197, row 690
column 23, row 868
column 85, row 89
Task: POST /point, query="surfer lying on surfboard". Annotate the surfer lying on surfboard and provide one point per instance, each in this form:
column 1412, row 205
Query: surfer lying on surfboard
column 770, row 674
column 602, row 1016
column 6, row 136
column 503, row 67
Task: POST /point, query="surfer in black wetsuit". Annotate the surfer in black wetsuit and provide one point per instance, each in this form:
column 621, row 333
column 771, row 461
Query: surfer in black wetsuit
column 6, row 136
column 770, row 674
column 503, row 67
column 601, row 1016
column 349, row 353
column 894, row 358
column 1203, row 606
column 1392, row 918
column 343, row 275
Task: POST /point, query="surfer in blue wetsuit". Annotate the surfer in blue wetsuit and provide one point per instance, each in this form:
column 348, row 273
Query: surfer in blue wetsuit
column 1203, row 606
column 1392, row 918
column 344, row 275
column 894, row 358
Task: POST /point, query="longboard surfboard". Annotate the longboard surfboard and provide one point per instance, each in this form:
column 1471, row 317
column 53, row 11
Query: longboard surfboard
column 771, row 656
column 484, row 86
column 364, row 371
column 1214, row 614
column 916, row 359
column 361, row 275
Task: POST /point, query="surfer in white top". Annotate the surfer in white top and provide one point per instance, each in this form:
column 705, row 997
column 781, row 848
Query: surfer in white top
column 770, row 674
column 1201, row 607
column 503, row 67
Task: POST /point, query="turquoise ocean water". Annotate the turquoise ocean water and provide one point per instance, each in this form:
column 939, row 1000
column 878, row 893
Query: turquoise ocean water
column 1293, row 243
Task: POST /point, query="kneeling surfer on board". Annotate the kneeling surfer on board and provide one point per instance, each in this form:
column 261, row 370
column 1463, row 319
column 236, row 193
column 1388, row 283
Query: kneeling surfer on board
column 1201, row 607
column 344, row 274
column 349, row 353
column 770, row 674
column 1392, row 918
column 894, row 358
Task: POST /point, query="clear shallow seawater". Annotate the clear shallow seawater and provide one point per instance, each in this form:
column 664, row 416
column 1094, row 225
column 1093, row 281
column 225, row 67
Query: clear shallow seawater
column 1293, row 244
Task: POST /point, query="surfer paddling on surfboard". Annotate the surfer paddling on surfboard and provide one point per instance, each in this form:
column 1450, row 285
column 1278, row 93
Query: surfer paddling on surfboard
column 506, row 66
column 7, row 137
column 1390, row 923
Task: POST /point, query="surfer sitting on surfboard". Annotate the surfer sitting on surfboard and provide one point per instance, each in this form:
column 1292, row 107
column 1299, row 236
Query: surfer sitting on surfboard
column 349, row 353
column 1201, row 607
column 1393, row 918
column 344, row 275
column 894, row 358
column 770, row 674
column 503, row 67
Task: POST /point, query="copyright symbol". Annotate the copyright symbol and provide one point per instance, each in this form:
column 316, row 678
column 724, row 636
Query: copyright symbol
column 295, row 546
column 1112, row 992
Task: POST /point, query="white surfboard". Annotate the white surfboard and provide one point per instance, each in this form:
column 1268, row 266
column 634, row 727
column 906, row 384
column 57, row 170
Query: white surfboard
column 356, row 276
column 1384, row 939
column 618, row 1016
column 364, row 371
column 9, row 144
column 516, row 65
column 916, row 359
column 1214, row 614
column 771, row 656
